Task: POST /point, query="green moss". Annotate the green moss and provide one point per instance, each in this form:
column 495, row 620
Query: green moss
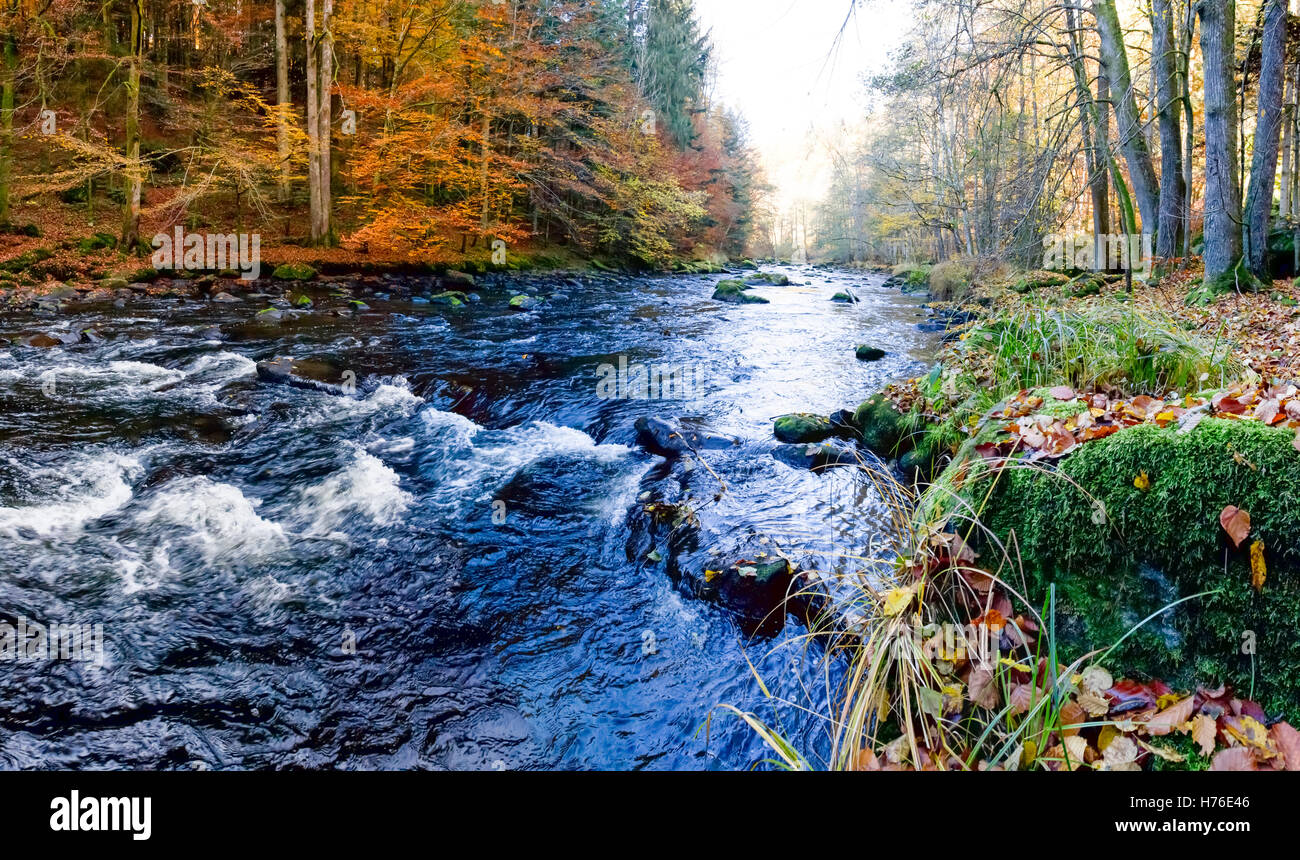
column 733, row 291
column 294, row 272
column 768, row 278
column 882, row 426
column 1131, row 552
column 865, row 352
column 802, row 427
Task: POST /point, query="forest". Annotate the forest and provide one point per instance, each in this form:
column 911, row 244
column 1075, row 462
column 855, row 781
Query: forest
column 424, row 130
column 868, row 385
column 1005, row 123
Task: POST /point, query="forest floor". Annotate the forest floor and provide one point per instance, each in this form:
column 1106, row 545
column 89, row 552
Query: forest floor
column 1034, row 369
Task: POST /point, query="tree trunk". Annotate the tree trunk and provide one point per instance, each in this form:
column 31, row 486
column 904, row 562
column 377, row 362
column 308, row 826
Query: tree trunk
column 1169, row 233
column 1222, row 195
column 1268, row 125
column 135, row 174
column 313, row 126
column 1132, row 144
column 324, row 116
column 282, row 97
column 7, row 121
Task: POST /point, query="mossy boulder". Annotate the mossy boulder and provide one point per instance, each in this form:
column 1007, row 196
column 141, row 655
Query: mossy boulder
column 734, row 291
column 844, row 297
column 881, row 425
column 767, row 278
column 525, row 303
column 1039, row 280
column 1085, row 285
column 803, row 427
column 450, row 298
column 1121, row 552
column 865, row 352
column 294, row 272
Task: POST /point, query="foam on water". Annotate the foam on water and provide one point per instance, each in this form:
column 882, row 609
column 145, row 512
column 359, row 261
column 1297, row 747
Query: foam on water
column 216, row 520
column 72, row 495
column 366, row 487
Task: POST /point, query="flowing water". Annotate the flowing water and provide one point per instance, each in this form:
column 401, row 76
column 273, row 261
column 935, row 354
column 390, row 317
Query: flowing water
column 448, row 568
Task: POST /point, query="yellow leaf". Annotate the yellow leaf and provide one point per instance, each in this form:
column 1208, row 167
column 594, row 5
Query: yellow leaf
column 1142, row 482
column 710, row 574
column 897, row 600
column 1258, row 570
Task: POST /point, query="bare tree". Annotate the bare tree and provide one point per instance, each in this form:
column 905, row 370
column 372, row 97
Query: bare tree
column 1222, row 194
column 1268, row 125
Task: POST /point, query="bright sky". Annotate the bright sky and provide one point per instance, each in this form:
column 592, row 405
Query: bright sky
column 780, row 65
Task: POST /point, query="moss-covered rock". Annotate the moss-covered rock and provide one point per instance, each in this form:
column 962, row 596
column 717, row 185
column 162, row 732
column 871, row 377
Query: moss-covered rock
column 525, row 303
column 1039, row 280
column 881, row 425
column 844, row 297
column 450, row 298
column 768, row 278
column 294, row 272
column 1121, row 552
column 734, row 291
column 865, row 352
column 803, row 427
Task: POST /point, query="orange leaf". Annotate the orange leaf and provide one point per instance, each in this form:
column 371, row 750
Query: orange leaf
column 1288, row 741
column 1234, row 758
column 1204, row 730
column 1236, row 523
column 1172, row 717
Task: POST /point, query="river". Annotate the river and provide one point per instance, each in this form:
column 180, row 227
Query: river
column 450, row 567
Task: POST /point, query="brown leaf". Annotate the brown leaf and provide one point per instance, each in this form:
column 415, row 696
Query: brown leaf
column 1204, row 730
column 1062, row 392
column 983, row 691
column 1072, row 715
column 1171, row 718
column 1288, row 742
column 1234, row 758
column 1236, row 523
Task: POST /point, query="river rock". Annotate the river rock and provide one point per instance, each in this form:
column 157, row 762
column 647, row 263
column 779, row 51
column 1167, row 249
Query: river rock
column 311, row 374
column 869, row 353
column 802, row 427
column 844, row 297
column 751, row 588
column 225, row 298
column 525, row 303
column 44, row 341
column 450, row 298
column 880, row 425
column 454, row 278
column 734, row 292
column 667, row 439
column 293, row 272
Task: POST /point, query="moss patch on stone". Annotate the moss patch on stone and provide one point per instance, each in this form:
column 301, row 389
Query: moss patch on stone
column 1120, row 553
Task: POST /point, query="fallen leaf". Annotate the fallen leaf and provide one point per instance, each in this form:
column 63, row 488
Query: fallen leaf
column 1072, row 715
column 1236, row 523
column 1096, row 679
column 1142, row 482
column 1062, row 392
column 1288, row 743
column 1170, row 718
column 1204, row 730
column 897, row 600
column 1258, row 570
column 1234, row 759
column 983, row 691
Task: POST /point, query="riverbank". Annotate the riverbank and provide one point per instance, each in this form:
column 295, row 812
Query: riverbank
column 1101, row 491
